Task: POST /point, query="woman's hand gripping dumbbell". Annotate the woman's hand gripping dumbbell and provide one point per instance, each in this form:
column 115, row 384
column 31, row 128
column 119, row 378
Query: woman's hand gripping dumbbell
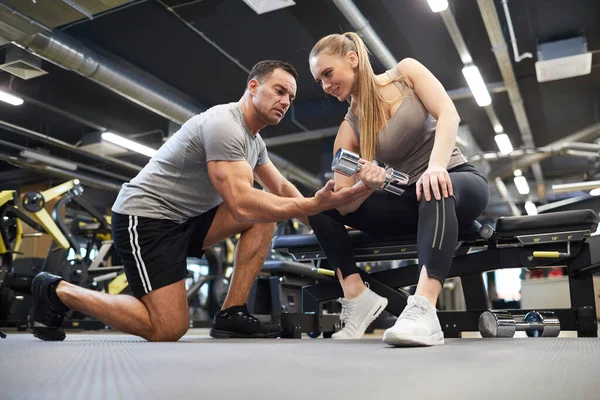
column 348, row 163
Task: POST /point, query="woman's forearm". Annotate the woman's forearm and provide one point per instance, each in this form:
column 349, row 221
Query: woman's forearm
column 445, row 139
column 348, row 208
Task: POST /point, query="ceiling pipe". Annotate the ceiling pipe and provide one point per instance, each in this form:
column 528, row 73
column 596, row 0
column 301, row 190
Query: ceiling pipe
column 582, row 146
column 489, row 14
column 66, row 146
column 518, row 57
column 77, row 165
column 588, row 133
column 61, row 173
column 124, row 79
column 362, row 27
column 575, row 187
column 586, row 150
column 115, row 74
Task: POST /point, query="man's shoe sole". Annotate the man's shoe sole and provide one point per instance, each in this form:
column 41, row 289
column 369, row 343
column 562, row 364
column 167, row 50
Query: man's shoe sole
column 43, row 333
column 222, row 334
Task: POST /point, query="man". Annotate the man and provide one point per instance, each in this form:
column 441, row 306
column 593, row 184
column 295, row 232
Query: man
column 195, row 192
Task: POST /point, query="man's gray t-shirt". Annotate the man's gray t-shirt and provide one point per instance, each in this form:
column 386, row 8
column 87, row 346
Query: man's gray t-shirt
column 174, row 184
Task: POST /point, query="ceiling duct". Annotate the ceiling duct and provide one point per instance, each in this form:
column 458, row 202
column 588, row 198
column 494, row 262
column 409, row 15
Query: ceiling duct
column 563, row 59
column 115, row 74
column 56, row 13
column 22, row 64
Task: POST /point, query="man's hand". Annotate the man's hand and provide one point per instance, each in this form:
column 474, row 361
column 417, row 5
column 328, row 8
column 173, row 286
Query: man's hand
column 371, row 175
column 327, row 199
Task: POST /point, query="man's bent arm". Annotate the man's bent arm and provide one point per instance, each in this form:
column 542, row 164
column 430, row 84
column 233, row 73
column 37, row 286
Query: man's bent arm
column 233, row 181
column 274, row 182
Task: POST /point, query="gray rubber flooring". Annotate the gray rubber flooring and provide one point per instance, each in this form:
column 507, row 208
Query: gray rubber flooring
column 107, row 366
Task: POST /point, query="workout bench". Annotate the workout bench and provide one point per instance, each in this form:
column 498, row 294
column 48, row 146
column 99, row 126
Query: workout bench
column 561, row 238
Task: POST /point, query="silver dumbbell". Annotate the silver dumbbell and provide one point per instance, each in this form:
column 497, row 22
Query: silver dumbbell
column 346, row 163
column 504, row 324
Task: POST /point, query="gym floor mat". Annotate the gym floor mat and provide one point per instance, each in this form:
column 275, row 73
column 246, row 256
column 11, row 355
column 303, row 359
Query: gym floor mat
column 111, row 366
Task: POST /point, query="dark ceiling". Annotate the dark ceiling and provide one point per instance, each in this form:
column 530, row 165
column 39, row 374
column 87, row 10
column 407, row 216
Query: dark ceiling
column 154, row 37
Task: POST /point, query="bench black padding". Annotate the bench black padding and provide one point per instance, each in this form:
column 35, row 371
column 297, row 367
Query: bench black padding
column 468, row 233
column 547, row 223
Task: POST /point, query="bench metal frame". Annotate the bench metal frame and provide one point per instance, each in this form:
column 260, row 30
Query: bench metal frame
column 471, row 260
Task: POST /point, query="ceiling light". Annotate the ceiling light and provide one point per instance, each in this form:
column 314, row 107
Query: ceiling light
column 531, row 208
column 128, row 144
column 10, row 99
column 504, row 144
column 477, row 86
column 438, row 5
column 522, row 185
column 595, row 192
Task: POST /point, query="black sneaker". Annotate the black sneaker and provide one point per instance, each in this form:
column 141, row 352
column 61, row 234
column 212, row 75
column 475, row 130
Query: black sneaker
column 48, row 311
column 237, row 322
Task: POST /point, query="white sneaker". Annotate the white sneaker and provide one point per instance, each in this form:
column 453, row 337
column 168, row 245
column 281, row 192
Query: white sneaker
column 358, row 313
column 418, row 325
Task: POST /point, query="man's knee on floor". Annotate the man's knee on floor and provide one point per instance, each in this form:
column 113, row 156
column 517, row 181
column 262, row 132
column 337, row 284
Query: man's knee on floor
column 167, row 332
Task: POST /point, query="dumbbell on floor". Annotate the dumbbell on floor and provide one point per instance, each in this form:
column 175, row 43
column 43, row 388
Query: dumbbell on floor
column 504, row 324
column 346, row 163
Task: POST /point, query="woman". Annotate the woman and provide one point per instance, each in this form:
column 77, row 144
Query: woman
column 404, row 119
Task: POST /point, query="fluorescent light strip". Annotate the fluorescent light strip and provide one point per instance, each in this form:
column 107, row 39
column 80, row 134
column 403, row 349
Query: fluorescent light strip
column 531, row 208
column 438, row 5
column 522, row 185
column 128, row 144
column 504, row 144
column 477, row 86
column 10, row 99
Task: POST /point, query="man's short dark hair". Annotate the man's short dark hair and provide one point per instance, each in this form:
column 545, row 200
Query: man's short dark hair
column 263, row 69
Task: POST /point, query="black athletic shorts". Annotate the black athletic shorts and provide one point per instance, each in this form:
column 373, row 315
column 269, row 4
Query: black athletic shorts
column 154, row 251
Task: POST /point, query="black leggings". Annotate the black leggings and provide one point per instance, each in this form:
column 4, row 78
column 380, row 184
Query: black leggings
column 386, row 214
